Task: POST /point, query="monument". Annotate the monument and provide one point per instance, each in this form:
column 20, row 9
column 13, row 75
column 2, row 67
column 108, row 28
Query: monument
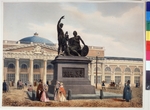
column 71, row 64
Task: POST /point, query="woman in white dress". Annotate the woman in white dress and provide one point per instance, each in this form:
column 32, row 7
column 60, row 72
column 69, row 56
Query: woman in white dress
column 62, row 93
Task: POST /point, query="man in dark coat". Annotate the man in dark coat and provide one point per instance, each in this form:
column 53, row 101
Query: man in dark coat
column 4, row 86
column 39, row 90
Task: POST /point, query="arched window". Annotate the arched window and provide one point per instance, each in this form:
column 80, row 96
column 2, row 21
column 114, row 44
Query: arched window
column 108, row 69
column 49, row 67
column 98, row 69
column 11, row 68
column 137, row 70
column 127, row 69
column 23, row 68
column 117, row 69
column 36, row 66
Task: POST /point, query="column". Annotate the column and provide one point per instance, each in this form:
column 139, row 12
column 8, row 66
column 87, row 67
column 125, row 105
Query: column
column 4, row 70
column 17, row 71
column 45, row 71
column 132, row 79
column 31, row 72
column 112, row 76
column 92, row 75
column 141, row 80
column 103, row 74
column 123, row 79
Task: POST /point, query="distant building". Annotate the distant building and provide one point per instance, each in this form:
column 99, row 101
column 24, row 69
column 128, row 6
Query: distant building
column 29, row 59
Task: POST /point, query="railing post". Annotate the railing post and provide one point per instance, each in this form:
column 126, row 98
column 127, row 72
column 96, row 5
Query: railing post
column 33, row 95
column 69, row 95
column 101, row 94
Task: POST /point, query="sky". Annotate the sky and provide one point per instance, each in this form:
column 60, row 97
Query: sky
column 116, row 26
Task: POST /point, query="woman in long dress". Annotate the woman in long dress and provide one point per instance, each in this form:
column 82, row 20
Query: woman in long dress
column 56, row 96
column 44, row 97
column 127, row 91
column 62, row 93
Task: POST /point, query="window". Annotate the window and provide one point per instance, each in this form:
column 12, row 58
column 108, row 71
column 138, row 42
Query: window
column 107, row 79
column 24, row 77
column 136, row 70
column 36, row 77
column 49, row 67
column 10, row 77
column 11, row 67
column 117, row 79
column 107, row 69
column 127, row 70
column 49, row 77
column 127, row 78
column 36, row 66
column 23, row 68
column 98, row 79
column 117, row 69
column 136, row 79
column 98, row 69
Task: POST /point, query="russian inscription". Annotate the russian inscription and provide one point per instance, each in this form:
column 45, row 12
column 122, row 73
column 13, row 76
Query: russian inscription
column 68, row 72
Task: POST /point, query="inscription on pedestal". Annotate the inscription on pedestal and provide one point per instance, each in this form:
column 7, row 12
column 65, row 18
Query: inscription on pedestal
column 68, row 72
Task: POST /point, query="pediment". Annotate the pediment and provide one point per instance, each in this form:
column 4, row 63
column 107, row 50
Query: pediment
column 31, row 49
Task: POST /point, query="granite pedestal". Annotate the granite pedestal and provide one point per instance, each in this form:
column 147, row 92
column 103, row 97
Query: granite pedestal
column 73, row 72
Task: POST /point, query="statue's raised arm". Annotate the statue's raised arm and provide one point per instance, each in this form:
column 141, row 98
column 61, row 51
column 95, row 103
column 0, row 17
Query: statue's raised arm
column 58, row 24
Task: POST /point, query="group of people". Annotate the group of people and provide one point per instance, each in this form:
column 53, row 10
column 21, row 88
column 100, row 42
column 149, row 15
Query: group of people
column 59, row 93
column 42, row 92
column 112, row 83
column 20, row 84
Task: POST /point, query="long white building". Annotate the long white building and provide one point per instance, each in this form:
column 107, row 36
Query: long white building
column 29, row 59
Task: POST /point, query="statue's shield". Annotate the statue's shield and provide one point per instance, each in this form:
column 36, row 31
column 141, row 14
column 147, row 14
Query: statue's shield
column 84, row 50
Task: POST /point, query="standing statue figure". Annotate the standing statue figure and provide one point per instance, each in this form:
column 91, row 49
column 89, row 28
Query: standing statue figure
column 60, row 36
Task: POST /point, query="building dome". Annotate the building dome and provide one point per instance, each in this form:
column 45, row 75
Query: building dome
column 35, row 39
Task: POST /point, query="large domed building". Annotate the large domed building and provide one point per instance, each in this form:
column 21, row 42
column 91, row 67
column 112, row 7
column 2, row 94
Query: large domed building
column 29, row 59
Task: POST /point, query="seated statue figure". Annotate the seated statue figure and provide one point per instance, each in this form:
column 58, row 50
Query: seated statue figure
column 75, row 47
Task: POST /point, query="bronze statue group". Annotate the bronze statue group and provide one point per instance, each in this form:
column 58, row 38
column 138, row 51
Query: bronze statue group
column 70, row 46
